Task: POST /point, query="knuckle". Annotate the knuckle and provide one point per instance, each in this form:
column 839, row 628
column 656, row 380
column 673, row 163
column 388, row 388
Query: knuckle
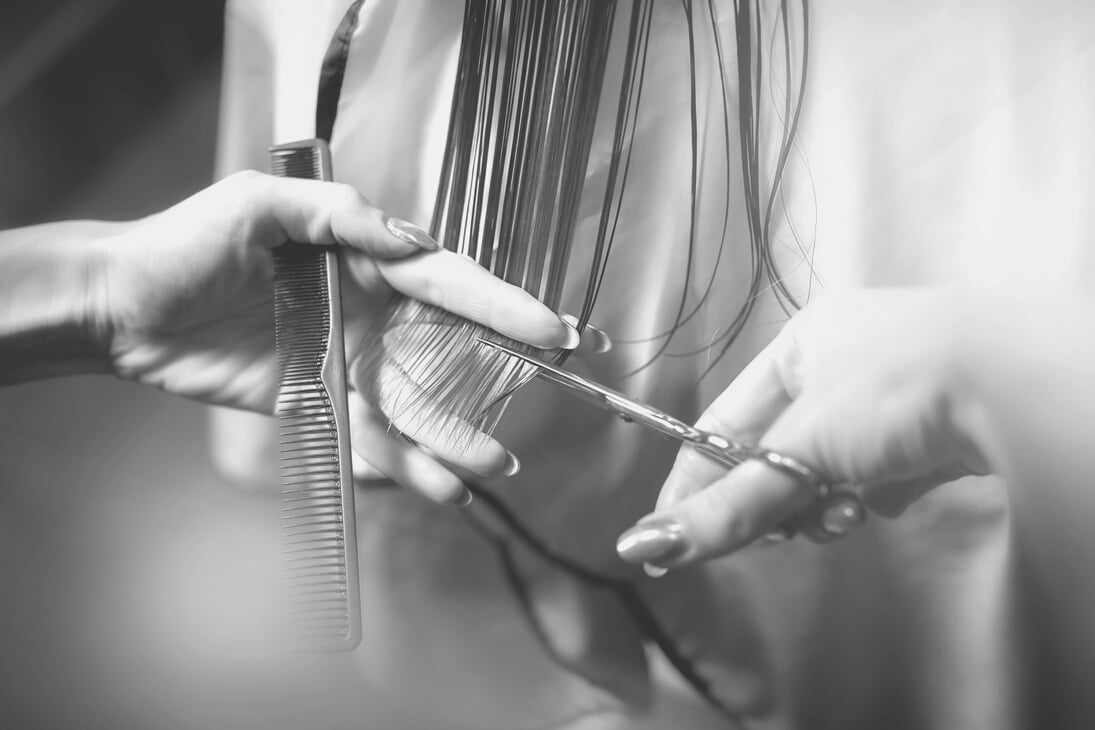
column 247, row 188
column 346, row 195
column 245, row 180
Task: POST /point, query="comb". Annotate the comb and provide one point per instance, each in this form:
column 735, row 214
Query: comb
column 322, row 599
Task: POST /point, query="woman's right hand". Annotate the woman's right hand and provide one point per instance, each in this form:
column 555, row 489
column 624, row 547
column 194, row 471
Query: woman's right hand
column 863, row 387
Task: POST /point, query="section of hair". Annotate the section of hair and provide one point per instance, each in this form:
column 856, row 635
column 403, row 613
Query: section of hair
column 529, row 82
column 760, row 71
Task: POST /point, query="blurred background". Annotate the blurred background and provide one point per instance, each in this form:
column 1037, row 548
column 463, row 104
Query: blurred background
column 108, row 108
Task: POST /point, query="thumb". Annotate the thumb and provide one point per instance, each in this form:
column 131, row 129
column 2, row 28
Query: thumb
column 745, row 504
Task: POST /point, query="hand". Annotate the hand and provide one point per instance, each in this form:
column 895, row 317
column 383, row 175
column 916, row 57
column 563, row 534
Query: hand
column 186, row 300
column 861, row 387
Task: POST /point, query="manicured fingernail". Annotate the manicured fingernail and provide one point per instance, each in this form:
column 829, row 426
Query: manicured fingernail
column 509, row 467
column 601, row 342
column 652, row 541
column 410, row 233
column 654, row 571
column 574, row 337
column 464, row 499
column 513, row 465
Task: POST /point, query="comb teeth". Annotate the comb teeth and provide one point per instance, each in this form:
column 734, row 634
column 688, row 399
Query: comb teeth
column 320, row 573
column 299, row 159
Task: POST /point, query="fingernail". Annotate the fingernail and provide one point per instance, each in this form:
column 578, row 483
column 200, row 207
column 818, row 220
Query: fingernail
column 573, row 335
column 509, row 467
column 410, row 233
column 653, row 541
column 654, row 571
column 602, row 343
column 513, row 465
column 464, row 499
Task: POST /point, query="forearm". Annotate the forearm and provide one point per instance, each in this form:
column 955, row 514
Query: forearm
column 50, row 299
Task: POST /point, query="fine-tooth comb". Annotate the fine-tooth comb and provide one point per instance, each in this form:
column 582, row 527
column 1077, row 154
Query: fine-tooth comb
column 321, row 584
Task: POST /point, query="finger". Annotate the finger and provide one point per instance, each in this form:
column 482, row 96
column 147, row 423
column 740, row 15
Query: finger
column 326, row 213
column 745, row 504
column 758, row 395
column 458, row 284
column 363, row 470
column 744, row 412
column 447, row 437
column 753, row 498
column 691, row 473
column 400, row 460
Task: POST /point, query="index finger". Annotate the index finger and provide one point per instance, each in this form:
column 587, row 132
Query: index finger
column 756, row 496
column 458, row 284
column 743, row 412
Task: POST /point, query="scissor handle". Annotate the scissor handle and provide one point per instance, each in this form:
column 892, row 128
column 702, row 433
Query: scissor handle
column 833, row 506
column 718, row 448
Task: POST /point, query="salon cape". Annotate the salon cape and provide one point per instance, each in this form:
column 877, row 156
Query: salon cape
column 940, row 143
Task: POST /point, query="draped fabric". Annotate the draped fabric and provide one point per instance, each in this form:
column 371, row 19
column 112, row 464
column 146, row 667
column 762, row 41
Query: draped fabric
column 940, row 143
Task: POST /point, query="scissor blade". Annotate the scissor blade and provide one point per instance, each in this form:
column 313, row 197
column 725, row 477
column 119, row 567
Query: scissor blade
column 580, row 386
column 721, row 449
column 611, row 400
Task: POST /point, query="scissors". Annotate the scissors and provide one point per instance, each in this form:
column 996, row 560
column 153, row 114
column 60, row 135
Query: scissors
column 720, row 449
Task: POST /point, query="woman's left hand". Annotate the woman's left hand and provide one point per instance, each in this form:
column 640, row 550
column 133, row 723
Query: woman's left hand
column 188, row 295
column 184, row 302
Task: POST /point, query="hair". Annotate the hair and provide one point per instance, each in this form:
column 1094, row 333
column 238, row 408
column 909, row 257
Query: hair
column 530, row 76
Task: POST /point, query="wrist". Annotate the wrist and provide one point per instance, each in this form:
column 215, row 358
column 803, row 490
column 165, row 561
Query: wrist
column 52, row 308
